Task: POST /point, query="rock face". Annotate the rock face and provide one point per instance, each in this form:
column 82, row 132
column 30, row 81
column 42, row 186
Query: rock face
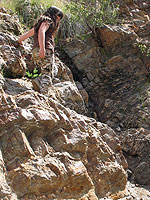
column 136, row 145
column 48, row 150
column 116, row 78
column 51, row 150
column 50, row 147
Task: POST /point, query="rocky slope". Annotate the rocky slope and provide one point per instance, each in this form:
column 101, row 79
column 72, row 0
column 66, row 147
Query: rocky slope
column 115, row 74
column 50, row 146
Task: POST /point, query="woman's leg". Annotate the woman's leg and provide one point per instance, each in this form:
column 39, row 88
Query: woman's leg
column 42, row 83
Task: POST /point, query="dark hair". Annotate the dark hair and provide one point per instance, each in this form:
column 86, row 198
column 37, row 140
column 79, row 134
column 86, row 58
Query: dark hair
column 49, row 15
column 53, row 12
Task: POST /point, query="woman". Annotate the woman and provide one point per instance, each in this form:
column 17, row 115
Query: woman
column 44, row 32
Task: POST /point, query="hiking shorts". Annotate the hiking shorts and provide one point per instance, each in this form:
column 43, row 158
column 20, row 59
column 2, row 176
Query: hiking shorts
column 45, row 64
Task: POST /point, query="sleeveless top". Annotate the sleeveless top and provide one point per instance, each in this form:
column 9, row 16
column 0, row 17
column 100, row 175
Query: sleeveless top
column 49, row 39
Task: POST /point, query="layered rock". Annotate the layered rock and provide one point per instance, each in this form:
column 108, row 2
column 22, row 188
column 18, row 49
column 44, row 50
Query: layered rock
column 48, row 149
column 116, row 78
column 52, row 151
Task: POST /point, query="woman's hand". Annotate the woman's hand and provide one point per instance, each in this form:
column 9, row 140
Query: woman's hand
column 42, row 53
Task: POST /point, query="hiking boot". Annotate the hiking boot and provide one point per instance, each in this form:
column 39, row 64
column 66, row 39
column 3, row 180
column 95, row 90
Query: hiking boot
column 36, row 82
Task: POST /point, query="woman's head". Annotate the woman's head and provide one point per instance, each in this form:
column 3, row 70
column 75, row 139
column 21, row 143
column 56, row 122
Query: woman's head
column 53, row 12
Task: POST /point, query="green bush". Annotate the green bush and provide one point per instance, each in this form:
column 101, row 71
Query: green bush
column 93, row 13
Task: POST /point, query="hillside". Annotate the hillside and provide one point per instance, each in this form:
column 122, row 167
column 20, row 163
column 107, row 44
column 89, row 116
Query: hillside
column 87, row 135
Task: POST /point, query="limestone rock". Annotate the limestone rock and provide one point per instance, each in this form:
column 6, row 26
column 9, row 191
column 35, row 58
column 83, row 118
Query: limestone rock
column 109, row 36
column 116, row 78
column 136, row 145
column 9, row 22
column 15, row 66
column 83, row 92
column 51, row 148
column 56, row 175
column 5, row 190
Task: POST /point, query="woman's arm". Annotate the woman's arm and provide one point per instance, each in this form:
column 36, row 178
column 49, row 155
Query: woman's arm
column 41, row 38
column 26, row 35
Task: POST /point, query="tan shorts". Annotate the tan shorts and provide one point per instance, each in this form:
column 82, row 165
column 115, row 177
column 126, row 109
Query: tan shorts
column 45, row 64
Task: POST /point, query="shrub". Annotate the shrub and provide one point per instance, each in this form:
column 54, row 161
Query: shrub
column 93, row 13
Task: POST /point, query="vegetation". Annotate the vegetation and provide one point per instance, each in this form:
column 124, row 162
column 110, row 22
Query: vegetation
column 93, row 13
column 29, row 10
column 145, row 50
column 83, row 16
column 34, row 74
column 90, row 12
